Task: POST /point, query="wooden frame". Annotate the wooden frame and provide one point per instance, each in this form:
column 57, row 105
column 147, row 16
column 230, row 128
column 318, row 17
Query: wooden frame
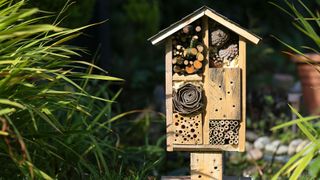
column 170, row 79
column 215, row 90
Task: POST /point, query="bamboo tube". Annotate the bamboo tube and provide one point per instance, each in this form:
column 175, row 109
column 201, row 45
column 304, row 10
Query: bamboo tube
column 179, row 47
column 236, row 123
column 198, row 28
column 227, row 123
column 215, row 133
column 236, row 141
column 187, row 29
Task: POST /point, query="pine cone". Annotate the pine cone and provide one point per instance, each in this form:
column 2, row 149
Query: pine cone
column 229, row 53
column 219, row 37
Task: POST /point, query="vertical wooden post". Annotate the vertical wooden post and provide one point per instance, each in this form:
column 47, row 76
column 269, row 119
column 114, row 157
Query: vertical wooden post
column 169, row 111
column 206, row 166
column 242, row 65
column 206, row 79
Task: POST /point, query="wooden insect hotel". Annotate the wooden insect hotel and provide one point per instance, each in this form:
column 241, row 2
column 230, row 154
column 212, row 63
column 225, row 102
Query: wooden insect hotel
column 205, row 65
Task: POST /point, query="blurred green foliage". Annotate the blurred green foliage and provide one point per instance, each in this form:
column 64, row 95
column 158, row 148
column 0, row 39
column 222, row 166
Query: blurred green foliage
column 79, row 12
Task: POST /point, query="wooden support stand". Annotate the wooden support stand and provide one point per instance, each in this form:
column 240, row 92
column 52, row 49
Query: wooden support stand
column 205, row 166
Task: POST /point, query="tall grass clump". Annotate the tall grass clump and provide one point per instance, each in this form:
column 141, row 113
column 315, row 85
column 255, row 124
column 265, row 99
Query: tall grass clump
column 51, row 127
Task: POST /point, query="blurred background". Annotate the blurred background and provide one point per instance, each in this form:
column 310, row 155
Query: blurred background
column 120, row 46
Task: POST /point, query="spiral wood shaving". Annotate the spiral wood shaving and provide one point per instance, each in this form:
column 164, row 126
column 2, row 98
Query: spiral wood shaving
column 188, row 99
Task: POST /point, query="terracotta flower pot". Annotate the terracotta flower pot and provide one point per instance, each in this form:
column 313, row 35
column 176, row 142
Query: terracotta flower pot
column 309, row 73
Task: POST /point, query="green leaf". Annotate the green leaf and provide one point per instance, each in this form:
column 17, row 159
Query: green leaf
column 7, row 111
column 11, row 103
column 101, row 77
column 314, row 167
column 302, row 165
column 293, row 122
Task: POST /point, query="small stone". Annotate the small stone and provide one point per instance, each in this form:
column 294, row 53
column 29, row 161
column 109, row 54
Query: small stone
column 293, row 146
column 272, row 147
column 302, row 145
column 283, row 149
column 261, row 142
column 254, row 154
column 251, row 136
column 250, row 171
column 249, row 146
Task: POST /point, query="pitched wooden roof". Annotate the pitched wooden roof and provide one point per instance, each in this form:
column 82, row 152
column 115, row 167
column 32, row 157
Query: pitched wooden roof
column 204, row 10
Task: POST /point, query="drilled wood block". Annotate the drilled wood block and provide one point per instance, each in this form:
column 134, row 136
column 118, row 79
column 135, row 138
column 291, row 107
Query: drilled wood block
column 205, row 166
column 187, row 129
column 224, row 96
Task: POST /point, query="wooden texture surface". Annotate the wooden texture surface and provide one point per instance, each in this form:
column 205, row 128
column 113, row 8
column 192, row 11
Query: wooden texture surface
column 206, row 166
column 169, row 110
column 242, row 65
column 188, row 178
column 206, row 79
column 177, row 28
column 223, row 94
column 187, row 129
column 193, row 77
column 233, row 27
column 204, row 147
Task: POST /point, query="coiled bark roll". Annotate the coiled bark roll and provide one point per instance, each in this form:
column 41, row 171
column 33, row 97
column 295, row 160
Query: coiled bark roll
column 188, row 99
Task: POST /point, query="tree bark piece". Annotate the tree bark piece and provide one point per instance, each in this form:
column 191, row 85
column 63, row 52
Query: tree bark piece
column 188, row 99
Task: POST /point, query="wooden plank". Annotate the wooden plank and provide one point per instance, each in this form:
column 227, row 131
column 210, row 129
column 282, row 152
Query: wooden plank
column 233, row 27
column 206, row 166
column 188, row 178
column 177, row 28
column 206, row 76
column 175, row 178
column 242, row 65
column 224, row 96
column 193, row 77
column 205, row 147
column 169, row 110
column 187, row 129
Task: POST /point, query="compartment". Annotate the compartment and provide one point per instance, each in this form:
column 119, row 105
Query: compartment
column 223, row 46
column 224, row 96
column 188, row 50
